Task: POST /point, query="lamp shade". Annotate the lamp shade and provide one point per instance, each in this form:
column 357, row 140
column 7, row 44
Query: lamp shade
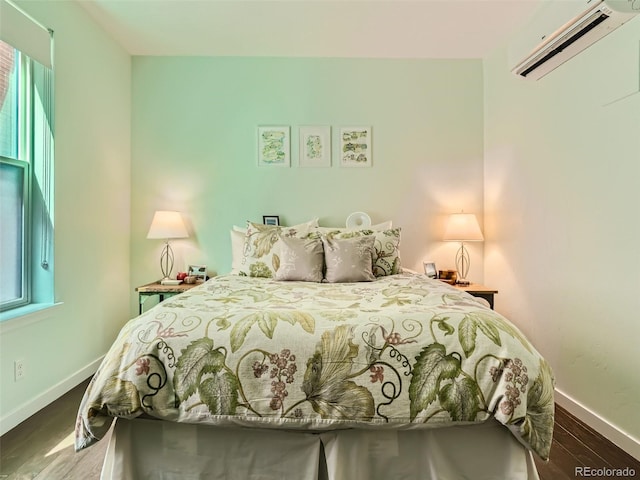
column 167, row 224
column 463, row 227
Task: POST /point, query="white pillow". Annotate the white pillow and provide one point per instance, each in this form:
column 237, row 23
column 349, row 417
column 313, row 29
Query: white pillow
column 311, row 223
column 237, row 249
column 378, row 227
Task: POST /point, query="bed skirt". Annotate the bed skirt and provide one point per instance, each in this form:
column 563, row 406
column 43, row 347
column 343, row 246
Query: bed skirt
column 151, row 449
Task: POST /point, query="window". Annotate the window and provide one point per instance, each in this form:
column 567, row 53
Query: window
column 14, row 181
column 25, row 180
column 14, row 291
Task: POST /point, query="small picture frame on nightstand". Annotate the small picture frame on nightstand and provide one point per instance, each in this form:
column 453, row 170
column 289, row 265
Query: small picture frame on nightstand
column 430, row 269
column 198, row 271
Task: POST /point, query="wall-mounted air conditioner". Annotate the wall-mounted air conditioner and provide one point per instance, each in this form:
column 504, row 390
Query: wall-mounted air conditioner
column 561, row 29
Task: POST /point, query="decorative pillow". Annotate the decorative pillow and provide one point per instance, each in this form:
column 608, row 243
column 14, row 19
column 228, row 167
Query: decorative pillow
column 260, row 257
column 386, row 249
column 301, row 259
column 237, row 244
column 349, row 259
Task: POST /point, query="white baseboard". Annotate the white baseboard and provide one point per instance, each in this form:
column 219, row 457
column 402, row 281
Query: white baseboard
column 611, row 432
column 19, row 415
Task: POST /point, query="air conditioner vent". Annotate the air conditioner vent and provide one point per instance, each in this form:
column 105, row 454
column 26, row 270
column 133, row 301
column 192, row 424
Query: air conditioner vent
column 561, row 47
column 575, row 30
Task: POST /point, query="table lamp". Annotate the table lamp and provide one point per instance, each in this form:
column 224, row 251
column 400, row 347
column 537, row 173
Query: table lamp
column 167, row 225
column 463, row 227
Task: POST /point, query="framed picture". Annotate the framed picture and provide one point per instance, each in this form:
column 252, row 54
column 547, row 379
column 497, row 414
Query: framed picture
column 271, row 219
column 274, row 146
column 430, row 270
column 315, row 146
column 198, row 271
column 449, row 276
column 355, row 146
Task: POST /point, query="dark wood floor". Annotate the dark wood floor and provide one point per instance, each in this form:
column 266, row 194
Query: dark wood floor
column 42, row 448
column 577, row 447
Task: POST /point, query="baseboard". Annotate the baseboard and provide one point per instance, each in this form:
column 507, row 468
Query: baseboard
column 612, row 433
column 19, row 415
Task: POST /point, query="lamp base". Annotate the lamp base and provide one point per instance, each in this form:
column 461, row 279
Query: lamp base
column 462, row 264
column 168, row 281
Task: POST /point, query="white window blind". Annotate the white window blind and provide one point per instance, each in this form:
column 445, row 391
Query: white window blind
column 24, row 33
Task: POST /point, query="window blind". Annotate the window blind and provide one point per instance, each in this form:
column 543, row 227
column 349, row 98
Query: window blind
column 24, row 33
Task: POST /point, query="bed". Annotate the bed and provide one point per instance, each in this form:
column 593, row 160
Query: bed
column 280, row 376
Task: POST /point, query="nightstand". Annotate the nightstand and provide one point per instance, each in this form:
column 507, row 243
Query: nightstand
column 479, row 291
column 162, row 291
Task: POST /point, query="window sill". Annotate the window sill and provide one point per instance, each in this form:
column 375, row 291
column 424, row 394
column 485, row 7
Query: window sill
column 23, row 316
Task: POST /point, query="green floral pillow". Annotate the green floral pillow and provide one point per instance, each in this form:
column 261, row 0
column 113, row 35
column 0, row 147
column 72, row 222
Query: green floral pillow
column 386, row 257
column 260, row 254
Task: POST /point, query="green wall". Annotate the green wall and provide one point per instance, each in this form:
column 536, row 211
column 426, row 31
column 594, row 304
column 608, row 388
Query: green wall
column 194, row 149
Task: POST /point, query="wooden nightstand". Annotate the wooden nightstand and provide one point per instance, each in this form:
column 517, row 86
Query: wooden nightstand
column 479, row 291
column 162, row 291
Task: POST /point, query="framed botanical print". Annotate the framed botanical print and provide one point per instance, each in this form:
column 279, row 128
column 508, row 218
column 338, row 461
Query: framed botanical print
column 355, row 146
column 315, row 146
column 274, row 146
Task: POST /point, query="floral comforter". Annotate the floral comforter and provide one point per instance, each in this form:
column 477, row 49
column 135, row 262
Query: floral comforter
column 403, row 351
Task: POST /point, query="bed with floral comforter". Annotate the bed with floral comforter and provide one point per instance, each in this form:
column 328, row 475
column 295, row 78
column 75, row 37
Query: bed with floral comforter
column 404, row 351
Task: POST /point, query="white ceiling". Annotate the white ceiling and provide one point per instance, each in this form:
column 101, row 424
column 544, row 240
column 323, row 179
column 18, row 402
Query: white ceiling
column 312, row 28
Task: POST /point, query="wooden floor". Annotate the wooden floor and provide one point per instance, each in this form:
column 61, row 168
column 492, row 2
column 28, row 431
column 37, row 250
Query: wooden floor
column 42, row 448
column 576, row 445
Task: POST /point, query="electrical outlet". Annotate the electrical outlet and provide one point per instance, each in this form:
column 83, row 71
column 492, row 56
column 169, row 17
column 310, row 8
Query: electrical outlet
column 18, row 369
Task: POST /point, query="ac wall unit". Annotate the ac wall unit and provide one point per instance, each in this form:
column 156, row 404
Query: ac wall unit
column 562, row 29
